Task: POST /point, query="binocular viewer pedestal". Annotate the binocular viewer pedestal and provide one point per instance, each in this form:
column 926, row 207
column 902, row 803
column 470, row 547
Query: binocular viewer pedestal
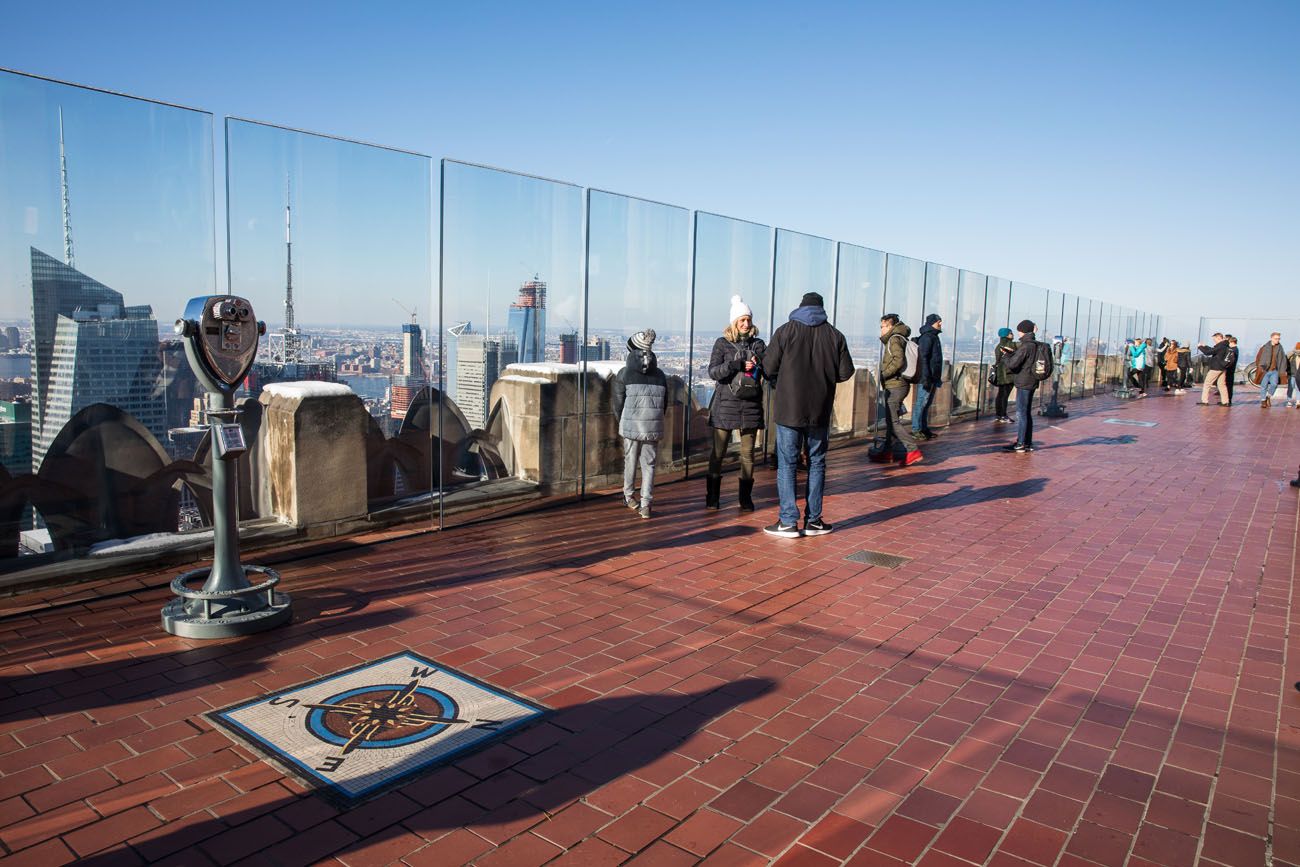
column 220, row 337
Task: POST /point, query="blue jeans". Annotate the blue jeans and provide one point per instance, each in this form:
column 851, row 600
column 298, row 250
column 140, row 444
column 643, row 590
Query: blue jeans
column 1025, row 415
column 921, row 409
column 789, row 442
column 1268, row 384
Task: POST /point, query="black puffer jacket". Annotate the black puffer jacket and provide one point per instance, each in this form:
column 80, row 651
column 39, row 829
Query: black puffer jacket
column 726, row 411
column 1218, row 356
column 1021, row 364
column 808, row 356
column 640, row 391
column 929, row 362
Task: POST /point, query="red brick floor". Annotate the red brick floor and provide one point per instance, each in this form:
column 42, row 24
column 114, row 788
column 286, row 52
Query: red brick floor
column 1084, row 663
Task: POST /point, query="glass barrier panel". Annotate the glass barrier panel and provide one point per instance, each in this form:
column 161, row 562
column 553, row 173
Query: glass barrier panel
column 997, row 306
column 1089, row 312
column 969, row 370
column 859, row 304
column 905, row 290
column 513, row 334
column 1051, row 332
column 331, row 241
column 732, row 257
column 1071, row 354
column 905, row 296
column 804, row 263
column 941, row 286
column 106, row 230
column 638, row 279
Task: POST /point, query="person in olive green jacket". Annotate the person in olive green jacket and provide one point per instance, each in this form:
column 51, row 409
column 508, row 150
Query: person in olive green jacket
column 1006, row 346
column 893, row 360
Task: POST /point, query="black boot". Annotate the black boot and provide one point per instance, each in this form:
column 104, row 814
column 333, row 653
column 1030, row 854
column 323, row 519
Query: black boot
column 746, row 501
column 714, row 489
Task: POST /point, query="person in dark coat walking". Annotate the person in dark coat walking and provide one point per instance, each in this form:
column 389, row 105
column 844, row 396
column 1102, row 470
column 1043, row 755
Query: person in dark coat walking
column 805, row 361
column 893, row 361
column 929, row 374
column 736, row 365
column 640, row 392
column 1005, row 381
column 1021, row 365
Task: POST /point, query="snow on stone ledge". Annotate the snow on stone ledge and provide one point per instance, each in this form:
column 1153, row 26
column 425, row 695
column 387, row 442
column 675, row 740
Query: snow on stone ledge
column 538, row 380
column 307, row 389
column 551, row 367
column 605, row 368
column 151, row 543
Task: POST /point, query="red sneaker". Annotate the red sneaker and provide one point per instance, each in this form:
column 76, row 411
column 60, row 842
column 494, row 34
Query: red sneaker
column 913, row 457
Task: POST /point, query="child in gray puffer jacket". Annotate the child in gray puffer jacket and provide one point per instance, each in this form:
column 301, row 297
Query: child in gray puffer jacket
column 640, row 391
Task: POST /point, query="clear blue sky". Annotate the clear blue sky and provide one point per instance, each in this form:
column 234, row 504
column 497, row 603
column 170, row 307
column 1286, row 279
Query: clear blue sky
column 1142, row 153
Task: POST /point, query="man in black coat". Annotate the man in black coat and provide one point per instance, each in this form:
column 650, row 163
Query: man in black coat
column 929, row 374
column 805, row 360
column 1218, row 364
column 1025, row 379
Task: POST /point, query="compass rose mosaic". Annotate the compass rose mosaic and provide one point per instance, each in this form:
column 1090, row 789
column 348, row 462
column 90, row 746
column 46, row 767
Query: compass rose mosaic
column 367, row 729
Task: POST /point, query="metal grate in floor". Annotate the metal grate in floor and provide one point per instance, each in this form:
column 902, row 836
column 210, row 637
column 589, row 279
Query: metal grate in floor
column 878, row 558
column 1130, row 421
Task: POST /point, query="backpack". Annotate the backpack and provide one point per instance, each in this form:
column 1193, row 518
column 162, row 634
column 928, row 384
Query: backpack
column 744, row 385
column 1042, row 361
column 911, row 360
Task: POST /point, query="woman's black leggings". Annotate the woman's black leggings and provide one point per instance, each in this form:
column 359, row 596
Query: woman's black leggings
column 1000, row 403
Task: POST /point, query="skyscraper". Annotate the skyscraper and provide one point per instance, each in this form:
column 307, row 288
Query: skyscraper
column 407, row 384
column 527, row 321
column 480, row 361
column 106, row 354
column 75, row 323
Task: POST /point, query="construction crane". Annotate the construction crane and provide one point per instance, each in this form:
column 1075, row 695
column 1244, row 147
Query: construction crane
column 410, row 311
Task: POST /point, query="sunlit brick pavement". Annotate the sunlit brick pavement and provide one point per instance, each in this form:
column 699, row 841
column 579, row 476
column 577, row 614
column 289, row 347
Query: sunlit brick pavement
column 1086, row 661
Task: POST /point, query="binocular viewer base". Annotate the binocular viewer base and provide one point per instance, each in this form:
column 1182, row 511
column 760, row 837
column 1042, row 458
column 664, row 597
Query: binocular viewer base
column 225, row 613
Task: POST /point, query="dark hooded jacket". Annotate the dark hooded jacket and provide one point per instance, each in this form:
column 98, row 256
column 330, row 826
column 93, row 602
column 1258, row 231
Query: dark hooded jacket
column 1005, row 347
column 1021, row 364
column 728, row 412
column 893, row 358
column 1218, row 356
column 639, row 394
column 929, row 362
column 806, row 359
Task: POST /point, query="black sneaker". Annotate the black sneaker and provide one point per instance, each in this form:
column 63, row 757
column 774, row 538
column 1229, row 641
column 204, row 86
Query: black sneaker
column 1029, row 447
column 785, row 531
column 1014, row 447
column 816, row 527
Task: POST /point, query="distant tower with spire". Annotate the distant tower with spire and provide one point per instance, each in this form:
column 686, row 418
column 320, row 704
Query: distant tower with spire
column 68, row 258
column 291, row 343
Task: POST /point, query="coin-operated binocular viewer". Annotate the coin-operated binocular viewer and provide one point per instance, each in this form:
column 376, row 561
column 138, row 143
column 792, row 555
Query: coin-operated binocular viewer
column 220, row 336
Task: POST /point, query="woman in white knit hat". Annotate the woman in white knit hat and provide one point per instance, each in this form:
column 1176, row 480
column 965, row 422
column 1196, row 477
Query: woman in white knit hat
column 736, row 364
